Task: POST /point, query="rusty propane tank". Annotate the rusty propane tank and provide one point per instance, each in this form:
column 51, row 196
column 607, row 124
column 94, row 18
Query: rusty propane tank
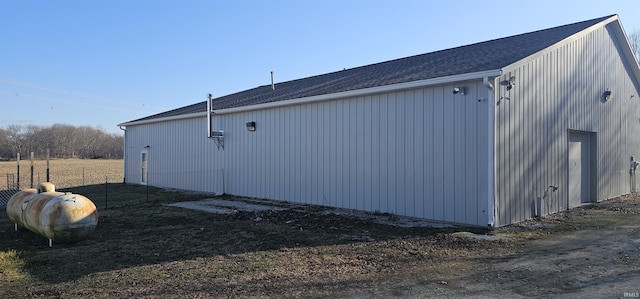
column 60, row 217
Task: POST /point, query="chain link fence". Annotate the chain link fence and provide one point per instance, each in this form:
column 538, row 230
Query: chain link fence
column 5, row 195
column 62, row 173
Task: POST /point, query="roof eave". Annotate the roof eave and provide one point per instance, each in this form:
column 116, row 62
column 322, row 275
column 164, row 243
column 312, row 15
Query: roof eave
column 326, row 97
column 560, row 43
column 620, row 35
column 363, row 92
column 163, row 119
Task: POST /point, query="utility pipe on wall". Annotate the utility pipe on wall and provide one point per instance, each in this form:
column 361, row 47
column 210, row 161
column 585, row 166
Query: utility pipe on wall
column 491, row 182
column 209, row 116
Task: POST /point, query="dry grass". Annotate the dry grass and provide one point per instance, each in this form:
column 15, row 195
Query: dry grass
column 144, row 249
column 63, row 173
column 11, row 266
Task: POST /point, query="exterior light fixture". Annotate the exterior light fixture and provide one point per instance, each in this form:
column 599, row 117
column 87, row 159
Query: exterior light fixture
column 509, row 83
column 607, row 96
column 459, row 90
column 251, row 126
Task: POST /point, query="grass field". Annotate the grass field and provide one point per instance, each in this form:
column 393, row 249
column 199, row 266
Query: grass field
column 63, row 173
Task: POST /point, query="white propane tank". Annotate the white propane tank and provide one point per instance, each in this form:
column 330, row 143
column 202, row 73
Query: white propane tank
column 60, row 217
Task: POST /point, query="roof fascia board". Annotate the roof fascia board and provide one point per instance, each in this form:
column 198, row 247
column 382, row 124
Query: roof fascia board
column 327, row 97
column 363, row 92
column 559, row 44
column 163, row 119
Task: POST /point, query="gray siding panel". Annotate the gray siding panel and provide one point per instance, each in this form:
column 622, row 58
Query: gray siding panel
column 171, row 162
column 419, row 153
column 438, row 155
column 448, row 158
column 560, row 91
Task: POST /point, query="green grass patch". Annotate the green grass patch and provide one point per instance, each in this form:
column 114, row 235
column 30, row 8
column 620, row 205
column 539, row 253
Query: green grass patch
column 11, row 267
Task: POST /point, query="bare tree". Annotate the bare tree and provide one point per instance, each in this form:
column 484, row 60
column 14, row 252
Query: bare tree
column 634, row 40
column 5, row 149
column 65, row 141
column 32, row 143
column 89, row 140
column 16, row 138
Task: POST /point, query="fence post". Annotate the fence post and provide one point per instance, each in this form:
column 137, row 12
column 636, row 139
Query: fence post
column 18, row 160
column 48, row 178
column 31, row 170
column 106, row 192
column 147, row 185
column 147, row 189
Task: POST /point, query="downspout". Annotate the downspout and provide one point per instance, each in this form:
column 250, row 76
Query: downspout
column 210, row 135
column 491, row 181
column 124, row 154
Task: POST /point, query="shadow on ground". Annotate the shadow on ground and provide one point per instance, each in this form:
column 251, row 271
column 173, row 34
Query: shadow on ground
column 137, row 228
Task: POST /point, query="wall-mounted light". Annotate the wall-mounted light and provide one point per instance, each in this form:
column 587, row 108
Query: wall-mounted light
column 607, row 95
column 251, row 126
column 459, row 90
column 508, row 83
column 147, row 146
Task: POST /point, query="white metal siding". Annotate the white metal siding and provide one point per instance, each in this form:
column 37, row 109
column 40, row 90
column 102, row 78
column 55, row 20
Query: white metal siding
column 179, row 155
column 560, row 91
column 419, row 153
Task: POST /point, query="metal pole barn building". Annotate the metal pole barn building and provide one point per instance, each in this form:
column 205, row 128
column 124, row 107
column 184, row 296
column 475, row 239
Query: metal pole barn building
column 490, row 133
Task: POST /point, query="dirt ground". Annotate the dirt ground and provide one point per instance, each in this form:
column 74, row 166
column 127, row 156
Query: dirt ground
column 588, row 252
column 154, row 249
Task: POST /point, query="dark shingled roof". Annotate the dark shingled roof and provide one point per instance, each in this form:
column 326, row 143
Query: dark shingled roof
column 484, row 56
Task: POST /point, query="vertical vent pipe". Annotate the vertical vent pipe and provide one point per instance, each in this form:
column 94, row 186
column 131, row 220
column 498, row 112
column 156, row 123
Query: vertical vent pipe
column 209, row 116
column 273, row 86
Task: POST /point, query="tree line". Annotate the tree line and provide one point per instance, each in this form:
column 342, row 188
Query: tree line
column 63, row 141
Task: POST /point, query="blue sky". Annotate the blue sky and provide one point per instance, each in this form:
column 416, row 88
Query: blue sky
column 100, row 63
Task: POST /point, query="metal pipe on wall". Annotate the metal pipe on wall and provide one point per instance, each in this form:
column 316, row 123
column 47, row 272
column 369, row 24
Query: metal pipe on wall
column 209, row 99
column 492, row 164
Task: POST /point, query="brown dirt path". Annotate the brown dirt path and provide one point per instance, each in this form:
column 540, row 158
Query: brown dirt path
column 590, row 252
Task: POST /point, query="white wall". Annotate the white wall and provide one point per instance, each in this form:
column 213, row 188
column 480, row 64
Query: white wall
column 560, row 91
column 420, row 153
column 180, row 155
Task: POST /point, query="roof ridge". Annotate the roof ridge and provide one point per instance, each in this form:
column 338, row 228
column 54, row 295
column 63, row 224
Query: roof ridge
column 444, row 50
column 471, row 58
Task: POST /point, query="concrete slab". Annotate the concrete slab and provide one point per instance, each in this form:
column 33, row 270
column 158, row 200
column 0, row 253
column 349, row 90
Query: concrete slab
column 222, row 206
column 225, row 206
